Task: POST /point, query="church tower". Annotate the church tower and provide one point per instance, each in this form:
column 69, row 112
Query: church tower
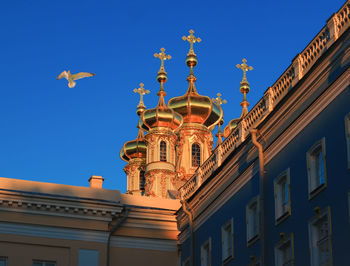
column 200, row 115
column 134, row 153
column 161, row 123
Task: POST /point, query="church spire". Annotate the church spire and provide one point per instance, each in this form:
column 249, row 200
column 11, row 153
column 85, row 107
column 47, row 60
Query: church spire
column 141, row 106
column 162, row 76
column 191, row 61
column 244, row 86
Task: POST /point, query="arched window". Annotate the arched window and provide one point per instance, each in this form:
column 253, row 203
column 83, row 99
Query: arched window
column 142, row 180
column 162, row 151
column 196, row 155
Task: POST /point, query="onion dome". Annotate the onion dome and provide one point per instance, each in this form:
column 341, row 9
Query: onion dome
column 161, row 116
column 231, row 126
column 136, row 148
column 244, row 88
column 193, row 107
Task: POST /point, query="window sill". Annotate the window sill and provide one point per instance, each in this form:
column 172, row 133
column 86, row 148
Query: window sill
column 282, row 217
column 253, row 240
column 317, row 190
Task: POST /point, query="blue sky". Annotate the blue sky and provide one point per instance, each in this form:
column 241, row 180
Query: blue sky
column 52, row 133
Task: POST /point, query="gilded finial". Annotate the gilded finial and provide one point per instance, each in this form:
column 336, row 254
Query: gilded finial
column 141, row 106
column 244, row 68
column 191, row 39
column 244, row 86
column 219, row 101
column 162, row 75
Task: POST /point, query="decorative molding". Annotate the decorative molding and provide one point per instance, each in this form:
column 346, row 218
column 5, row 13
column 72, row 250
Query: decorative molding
column 87, row 235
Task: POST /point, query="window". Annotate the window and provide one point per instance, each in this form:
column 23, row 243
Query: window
column 88, row 257
column 320, row 239
column 196, row 155
column 43, row 263
column 316, row 166
column 162, row 151
column 3, row 261
column 282, row 196
column 284, row 252
column 227, row 241
column 252, row 217
column 142, row 180
column 347, row 135
column 206, row 253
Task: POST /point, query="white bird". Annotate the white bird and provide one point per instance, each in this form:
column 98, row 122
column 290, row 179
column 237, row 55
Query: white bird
column 71, row 77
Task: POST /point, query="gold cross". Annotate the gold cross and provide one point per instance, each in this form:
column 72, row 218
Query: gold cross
column 218, row 100
column 162, row 56
column 244, row 68
column 142, row 92
column 191, row 39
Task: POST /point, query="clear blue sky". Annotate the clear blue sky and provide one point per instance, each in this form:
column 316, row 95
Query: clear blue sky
column 52, row 133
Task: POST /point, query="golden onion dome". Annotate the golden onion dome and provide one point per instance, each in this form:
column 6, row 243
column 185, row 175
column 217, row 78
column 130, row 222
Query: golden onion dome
column 161, row 116
column 231, row 126
column 134, row 149
column 196, row 108
column 193, row 107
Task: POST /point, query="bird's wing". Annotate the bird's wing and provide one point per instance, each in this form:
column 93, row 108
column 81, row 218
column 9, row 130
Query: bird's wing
column 82, row 75
column 64, row 74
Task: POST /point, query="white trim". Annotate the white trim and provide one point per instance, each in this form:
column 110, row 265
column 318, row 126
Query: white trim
column 87, row 235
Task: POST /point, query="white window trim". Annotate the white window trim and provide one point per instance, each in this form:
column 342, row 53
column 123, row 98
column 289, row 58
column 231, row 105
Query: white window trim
column 314, row 191
column 252, row 238
column 207, row 242
column 281, row 217
column 347, row 136
column 231, row 255
column 314, row 220
column 283, row 241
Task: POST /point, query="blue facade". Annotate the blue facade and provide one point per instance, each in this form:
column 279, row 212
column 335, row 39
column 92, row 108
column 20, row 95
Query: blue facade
column 330, row 70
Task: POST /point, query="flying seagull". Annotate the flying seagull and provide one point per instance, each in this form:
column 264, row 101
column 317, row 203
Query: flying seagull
column 68, row 76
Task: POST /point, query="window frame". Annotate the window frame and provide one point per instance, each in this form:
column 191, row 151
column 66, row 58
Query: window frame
column 280, row 244
column 312, row 223
column 347, row 137
column 206, row 243
column 230, row 256
column 281, row 216
column 199, row 154
column 311, row 171
column 253, row 237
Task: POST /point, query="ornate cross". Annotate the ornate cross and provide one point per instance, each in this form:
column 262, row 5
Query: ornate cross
column 218, row 100
column 191, row 39
column 142, row 92
column 162, row 56
column 244, row 68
